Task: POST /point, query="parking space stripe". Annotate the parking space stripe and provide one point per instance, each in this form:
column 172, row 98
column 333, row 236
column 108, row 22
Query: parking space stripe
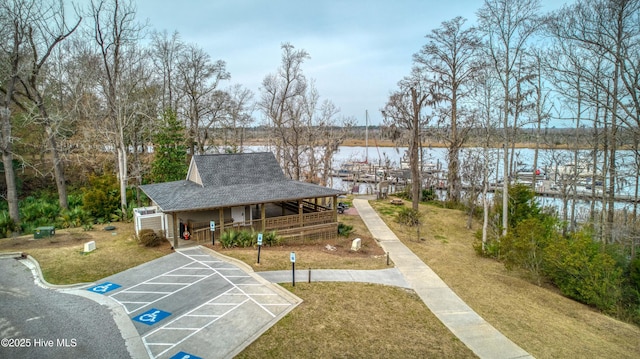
column 242, row 291
column 249, row 292
column 215, row 318
column 163, row 294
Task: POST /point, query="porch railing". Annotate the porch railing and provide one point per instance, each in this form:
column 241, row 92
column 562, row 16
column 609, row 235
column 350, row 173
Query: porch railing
column 314, row 223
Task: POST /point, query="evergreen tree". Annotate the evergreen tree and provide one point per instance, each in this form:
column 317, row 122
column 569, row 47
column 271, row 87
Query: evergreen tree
column 170, row 163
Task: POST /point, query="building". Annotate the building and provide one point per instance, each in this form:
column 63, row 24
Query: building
column 242, row 191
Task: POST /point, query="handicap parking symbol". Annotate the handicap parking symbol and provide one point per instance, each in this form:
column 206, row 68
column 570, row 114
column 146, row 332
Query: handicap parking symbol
column 183, row 355
column 151, row 316
column 104, row 287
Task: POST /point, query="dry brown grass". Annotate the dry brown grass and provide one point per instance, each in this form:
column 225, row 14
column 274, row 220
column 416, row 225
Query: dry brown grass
column 539, row 319
column 355, row 320
column 315, row 255
column 62, row 261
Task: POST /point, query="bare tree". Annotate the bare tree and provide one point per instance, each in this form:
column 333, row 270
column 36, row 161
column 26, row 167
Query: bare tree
column 487, row 113
column 284, row 95
column 204, row 105
column 15, row 17
column 326, row 133
column 607, row 30
column 541, row 110
column 165, row 51
column 404, row 113
column 240, row 109
column 116, row 33
column 36, row 85
column 507, row 26
column 451, row 57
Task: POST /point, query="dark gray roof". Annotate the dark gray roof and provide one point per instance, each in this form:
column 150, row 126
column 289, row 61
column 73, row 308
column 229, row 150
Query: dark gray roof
column 238, row 168
column 233, row 180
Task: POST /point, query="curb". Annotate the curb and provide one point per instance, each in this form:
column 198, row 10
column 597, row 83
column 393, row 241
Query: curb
column 132, row 339
column 292, row 298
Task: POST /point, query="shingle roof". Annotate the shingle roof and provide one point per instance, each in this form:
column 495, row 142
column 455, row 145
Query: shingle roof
column 232, row 180
column 238, row 168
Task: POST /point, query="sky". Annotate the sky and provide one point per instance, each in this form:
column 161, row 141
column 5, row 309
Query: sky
column 359, row 49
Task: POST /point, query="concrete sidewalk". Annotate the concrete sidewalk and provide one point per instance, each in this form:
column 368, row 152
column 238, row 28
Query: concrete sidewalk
column 391, row 276
column 478, row 335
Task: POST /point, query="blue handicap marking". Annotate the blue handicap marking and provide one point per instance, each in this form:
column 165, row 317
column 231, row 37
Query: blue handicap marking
column 183, row 355
column 151, row 316
column 104, row 287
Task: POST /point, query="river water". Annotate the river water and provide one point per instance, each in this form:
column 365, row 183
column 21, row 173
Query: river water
column 548, row 161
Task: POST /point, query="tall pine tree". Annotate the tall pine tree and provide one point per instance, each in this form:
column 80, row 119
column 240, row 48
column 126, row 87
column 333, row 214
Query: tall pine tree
column 170, row 163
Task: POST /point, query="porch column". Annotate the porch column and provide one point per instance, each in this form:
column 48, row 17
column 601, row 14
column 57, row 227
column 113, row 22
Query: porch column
column 263, row 216
column 221, row 213
column 315, row 202
column 334, row 205
column 176, row 230
column 300, row 212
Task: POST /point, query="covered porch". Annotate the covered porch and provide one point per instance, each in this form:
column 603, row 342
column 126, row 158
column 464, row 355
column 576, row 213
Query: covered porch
column 312, row 219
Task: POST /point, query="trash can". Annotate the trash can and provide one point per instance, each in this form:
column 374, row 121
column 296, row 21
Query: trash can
column 44, row 232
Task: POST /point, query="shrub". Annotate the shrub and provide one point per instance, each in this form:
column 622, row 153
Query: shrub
column 7, row 225
column 524, row 246
column 270, row 239
column 634, row 273
column 428, row 195
column 246, row 238
column 102, row 198
column 229, row 239
column 149, row 238
column 408, row 216
column 36, row 212
column 344, row 229
column 74, row 217
column 583, row 272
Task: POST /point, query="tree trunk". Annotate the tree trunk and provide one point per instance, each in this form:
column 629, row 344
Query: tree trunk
column 485, row 202
column 58, row 168
column 453, row 177
column 7, row 160
column 12, row 192
column 122, row 176
column 415, row 145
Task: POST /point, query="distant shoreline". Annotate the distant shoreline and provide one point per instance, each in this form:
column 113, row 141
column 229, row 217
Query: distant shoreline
column 352, row 142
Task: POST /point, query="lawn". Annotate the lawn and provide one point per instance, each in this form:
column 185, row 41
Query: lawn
column 62, row 260
column 539, row 319
column 364, row 320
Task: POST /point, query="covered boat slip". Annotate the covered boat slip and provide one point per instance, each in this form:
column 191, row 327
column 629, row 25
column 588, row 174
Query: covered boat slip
column 239, row 191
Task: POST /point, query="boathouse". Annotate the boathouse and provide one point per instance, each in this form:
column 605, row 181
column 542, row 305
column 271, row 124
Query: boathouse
column 239, row 191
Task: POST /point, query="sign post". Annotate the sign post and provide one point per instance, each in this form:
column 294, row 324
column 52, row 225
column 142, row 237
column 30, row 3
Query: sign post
column 292, row 256
column 212, row 227
column 259, row 245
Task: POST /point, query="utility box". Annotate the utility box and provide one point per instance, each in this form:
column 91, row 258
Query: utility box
column 44, row 232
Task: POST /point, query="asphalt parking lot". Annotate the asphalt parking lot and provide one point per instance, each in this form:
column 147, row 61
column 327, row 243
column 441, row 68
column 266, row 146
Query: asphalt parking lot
column 37, row 321
column 195, row 303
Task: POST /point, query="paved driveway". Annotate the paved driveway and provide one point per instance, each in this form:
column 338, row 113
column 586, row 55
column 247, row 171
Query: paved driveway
column 41, row 322
column 196, row 302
